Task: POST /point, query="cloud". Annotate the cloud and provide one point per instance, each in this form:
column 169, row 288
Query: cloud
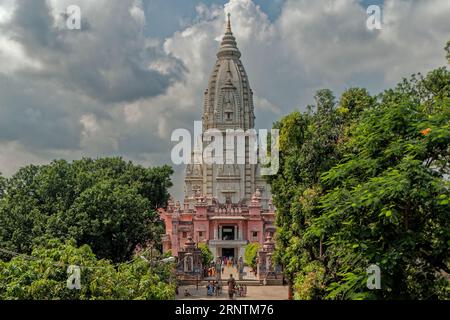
column 110, row 89
column 57, row 85
column 106, row 60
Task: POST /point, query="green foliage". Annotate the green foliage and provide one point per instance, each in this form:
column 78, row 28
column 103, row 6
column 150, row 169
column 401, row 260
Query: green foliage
column 447, row 48
column 45, row 277
column 309, row 282
column 308, row 147
column 388, row 199
column 2, row 185
column 251, row 254
column 363, row 181
column 109, row 204
column 207, row 255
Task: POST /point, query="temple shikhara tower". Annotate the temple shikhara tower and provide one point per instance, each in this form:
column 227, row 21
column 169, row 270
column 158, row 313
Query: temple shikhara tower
column 226, row 206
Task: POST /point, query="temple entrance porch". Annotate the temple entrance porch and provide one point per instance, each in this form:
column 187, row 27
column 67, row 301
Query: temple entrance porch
column 230, row 249
column 230, row 253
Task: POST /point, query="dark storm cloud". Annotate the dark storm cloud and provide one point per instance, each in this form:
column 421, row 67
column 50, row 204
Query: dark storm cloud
column 68, row 94
column 77, row 72
column 32, row 26
column 109, row 60
column 37, row 115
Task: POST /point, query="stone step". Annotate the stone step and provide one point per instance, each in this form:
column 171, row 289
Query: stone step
column 203, row 283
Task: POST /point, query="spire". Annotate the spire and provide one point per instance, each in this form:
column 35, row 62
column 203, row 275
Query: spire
column 229, row 24
column 228, row 48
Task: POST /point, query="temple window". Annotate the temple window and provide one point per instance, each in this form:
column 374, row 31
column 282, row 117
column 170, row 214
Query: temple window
column 228, row 233
column 184, row 235
column 255, row 234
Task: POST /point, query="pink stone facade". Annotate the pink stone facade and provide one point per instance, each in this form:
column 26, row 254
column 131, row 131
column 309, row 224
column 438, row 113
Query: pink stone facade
column 225, row 228
column 226, row 206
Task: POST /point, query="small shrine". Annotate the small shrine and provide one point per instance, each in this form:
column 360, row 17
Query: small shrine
column 267, row 269
column 190, row 259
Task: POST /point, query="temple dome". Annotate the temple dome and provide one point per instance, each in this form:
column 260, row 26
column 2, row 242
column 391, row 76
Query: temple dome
column 229, row 98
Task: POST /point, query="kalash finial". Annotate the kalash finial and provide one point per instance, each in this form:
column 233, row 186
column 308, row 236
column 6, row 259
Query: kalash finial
column 229, row 23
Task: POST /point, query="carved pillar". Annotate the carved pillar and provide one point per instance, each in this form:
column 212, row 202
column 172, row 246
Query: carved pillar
column 240, row 231
column 215, row 231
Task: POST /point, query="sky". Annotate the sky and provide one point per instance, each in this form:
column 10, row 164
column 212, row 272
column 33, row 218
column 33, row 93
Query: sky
column 137, row 69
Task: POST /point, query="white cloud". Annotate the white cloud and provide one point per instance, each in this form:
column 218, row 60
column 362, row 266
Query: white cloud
column 311, row 45
column 138, row 13
column 132, row 113
column 12, row 55
column 13, row 58
column 90, row 125
column 6, row 10
column 13, row 156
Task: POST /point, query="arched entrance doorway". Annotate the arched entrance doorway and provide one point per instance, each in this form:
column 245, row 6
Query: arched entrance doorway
column 228, row 252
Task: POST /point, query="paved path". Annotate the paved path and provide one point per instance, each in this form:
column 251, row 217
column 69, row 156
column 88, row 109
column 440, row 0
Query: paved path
column 249, row 275
column 253, row 293
column 230, row 270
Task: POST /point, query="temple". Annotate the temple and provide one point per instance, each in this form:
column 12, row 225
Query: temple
column 226, row 206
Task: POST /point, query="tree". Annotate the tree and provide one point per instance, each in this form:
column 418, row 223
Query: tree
column 251, row 254
column 111, row 218
column 109, row 204
column 309, row 145
column 2, row 185
column 207, row 255
column 362, row 181
column 447, row 48
column 389, row 200
column 44, row 277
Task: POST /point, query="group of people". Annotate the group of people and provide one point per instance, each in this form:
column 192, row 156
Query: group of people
column 232, row 262
column 214, row 288
column 229, row 261
column 211, row 272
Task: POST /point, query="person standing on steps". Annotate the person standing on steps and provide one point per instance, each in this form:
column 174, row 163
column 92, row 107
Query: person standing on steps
column 231, row 286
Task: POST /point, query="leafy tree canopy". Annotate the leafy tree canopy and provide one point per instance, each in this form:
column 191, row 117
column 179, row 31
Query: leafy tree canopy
column 365, row 180
column 109, row 204
column 45, row 276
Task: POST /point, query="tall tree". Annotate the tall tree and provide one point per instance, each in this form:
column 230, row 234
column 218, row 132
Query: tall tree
column 389, row 201
column 366, row 181
column 309, row 146
column 109, row 204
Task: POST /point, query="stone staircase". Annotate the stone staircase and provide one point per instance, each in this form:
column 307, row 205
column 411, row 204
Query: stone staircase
column 248, row 280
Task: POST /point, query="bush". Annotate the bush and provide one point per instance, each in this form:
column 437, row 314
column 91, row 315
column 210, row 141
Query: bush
column 251, row 253
column 207, row 255
column 45, row 276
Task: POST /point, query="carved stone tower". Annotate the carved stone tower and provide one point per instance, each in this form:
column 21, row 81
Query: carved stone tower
column 228, row 104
